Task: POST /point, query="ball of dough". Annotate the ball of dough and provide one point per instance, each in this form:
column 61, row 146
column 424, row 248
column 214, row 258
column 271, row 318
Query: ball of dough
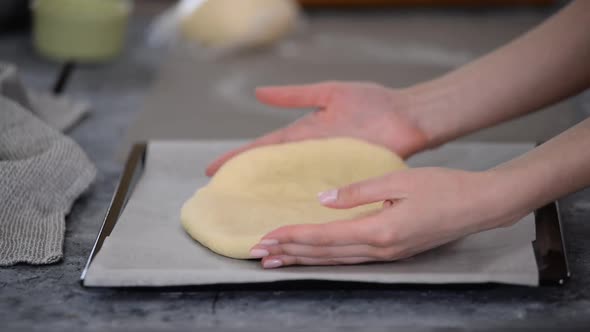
column 227, row 22
column 272, row 186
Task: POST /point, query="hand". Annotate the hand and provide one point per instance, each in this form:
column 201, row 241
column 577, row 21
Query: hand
column 424, row 208
column 362, row 110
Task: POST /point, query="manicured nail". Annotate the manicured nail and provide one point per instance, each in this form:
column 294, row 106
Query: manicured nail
column 272, row 263
column 258, row 253
column 329, row 196
column 268, row 242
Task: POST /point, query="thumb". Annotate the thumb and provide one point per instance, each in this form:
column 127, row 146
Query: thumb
column 364, row 192
column 298, row 96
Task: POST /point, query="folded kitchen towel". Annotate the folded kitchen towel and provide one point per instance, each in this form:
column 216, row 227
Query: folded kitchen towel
column 60, row 112
column 42, row 172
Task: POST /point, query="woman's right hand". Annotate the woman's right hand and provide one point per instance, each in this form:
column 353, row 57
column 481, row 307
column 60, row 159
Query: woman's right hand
column 362, row 110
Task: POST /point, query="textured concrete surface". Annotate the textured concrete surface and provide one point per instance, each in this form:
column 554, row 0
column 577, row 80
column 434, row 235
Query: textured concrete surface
column 50, row 297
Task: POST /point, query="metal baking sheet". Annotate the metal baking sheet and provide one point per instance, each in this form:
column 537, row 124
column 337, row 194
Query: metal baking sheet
column 221, row 272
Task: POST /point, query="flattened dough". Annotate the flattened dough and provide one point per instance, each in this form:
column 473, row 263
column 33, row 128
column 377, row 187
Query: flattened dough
column 269, row 187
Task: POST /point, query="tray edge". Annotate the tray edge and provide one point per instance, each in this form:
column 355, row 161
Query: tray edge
column 125, row 185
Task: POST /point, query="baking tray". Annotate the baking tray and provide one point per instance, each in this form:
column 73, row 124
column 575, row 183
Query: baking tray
column 549, row 246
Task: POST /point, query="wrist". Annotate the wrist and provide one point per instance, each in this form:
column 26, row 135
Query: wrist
column 405, row 137
column 428, row 106
column 509, row 197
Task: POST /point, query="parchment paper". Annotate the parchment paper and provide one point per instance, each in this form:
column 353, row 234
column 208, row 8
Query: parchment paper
column 148, row 246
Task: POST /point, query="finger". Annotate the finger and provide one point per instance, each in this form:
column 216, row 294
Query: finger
column 300, row 250
column 292, row 249
column 370, row 191
column 275, row 137
column 298, row 96
column 272, row 262
column 336, row 233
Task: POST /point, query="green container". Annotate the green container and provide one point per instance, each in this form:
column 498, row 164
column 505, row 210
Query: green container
column 86, row 31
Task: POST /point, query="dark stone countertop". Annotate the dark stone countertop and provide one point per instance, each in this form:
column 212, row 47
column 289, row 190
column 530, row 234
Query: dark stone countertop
column 51, row 298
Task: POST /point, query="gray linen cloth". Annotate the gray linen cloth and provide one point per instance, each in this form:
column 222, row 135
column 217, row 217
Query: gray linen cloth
column 42, row 172
column 59, row 112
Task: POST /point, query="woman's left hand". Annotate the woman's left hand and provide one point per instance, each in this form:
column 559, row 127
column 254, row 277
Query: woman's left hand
column 424, row 208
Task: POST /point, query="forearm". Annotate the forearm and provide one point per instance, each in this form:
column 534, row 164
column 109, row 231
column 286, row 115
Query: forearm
column 553, row 170
column 545, row 65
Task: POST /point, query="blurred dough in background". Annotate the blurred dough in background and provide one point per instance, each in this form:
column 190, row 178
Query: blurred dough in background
column 233, row 23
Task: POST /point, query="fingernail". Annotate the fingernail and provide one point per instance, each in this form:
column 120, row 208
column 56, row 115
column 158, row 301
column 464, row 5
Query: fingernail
column 272, row 263
column 268, row 242
column 328, row 196
column 258, row 253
